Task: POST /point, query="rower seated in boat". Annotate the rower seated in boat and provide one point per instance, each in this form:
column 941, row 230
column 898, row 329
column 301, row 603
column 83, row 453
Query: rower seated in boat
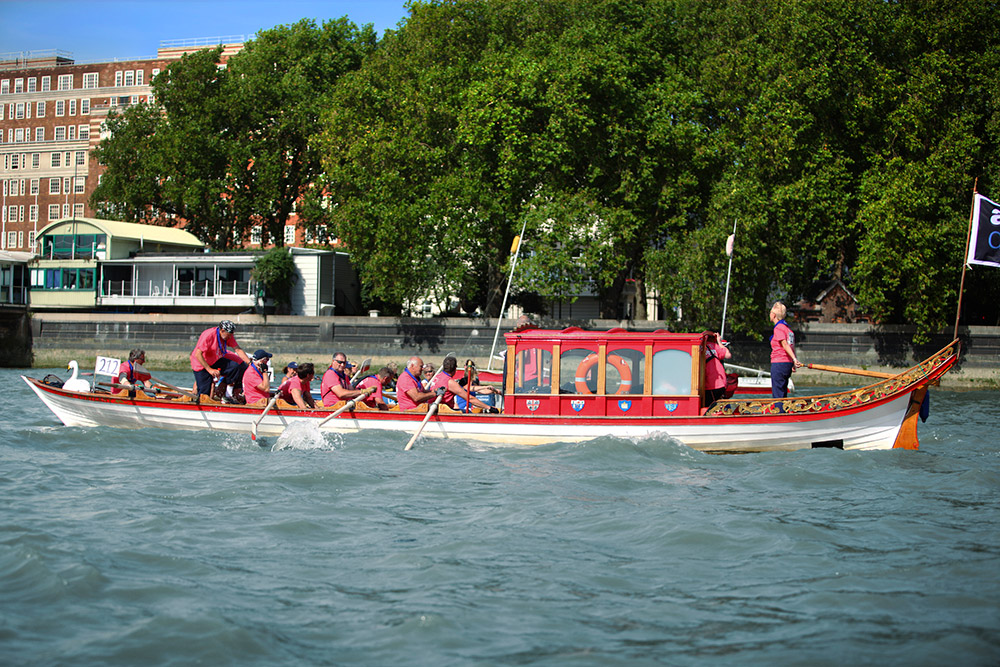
column 132, row 375
column 445, row 379
column 297, row 391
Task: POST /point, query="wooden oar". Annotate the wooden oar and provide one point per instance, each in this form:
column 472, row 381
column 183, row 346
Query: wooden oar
column 347, row 406
column 136, row 388
column 270, row 404
column 851, row 371
column 173, row 388
column 430, row 413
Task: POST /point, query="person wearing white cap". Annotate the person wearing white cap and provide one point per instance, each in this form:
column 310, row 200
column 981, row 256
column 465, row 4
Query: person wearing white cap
column 210, row 361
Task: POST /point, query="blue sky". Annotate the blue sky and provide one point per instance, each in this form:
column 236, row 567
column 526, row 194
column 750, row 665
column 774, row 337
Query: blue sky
column 98, row 30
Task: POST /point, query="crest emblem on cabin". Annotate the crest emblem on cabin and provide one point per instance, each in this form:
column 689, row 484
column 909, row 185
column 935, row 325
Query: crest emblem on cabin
column 670, row 405
column 624, row 405
column 532, row 404
column 577, row 404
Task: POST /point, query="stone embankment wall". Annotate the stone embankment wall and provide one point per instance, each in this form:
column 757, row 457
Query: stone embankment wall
column 168, row 340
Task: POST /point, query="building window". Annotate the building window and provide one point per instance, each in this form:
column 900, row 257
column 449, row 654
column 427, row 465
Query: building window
column 61, row 133
column 85, row 107
column 18, row 86
column 12, row 237
column 54, row 187
column 46, row 83
column 255, row 234
column 5, row 87
column 71, row 133
column 19, row 135
column 72, row 107
column 66, row 182
column 79, row 186
column 78, row 210
column 90, row 80
column 54, row 210
column 31, row 233
column 129, row 78
column 40, row 110
column 22, row 187
column 39, row 134
column 84, row 131
column 66, row 210
column 55, row 161
column 33, row 187
column 36, row 160
column 138, row 77
column 65, row 82
column 19, row 110
column 32, row 217
column 81, row 157
column 60, row 107
column 118, row 79
column 32, row 85
column 20, row 238
column 14, row 161
column 289, row 234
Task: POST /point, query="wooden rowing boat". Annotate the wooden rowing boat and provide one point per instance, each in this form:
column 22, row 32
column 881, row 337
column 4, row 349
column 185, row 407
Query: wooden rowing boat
column 574, row 385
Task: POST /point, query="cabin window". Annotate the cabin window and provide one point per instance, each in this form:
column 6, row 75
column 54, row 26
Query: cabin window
column 625, row 371
column 533, row 371
column 671, row 372
column 578, row 370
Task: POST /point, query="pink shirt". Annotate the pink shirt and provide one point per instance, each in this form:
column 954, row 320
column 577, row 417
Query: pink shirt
column 331, row 379
column 286, row 389
column 781, row 332
column 715, row 372
column 251, row 378
column 406, row 382
column 212, row 347
column 442, row 380
column 375, row 396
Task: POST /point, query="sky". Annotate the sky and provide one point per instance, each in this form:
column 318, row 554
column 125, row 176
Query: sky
column 107, row 30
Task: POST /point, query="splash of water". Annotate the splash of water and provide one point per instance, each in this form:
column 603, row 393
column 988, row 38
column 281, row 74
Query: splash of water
column 305, row 436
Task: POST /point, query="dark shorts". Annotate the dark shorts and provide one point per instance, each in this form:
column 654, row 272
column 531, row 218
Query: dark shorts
column 780, row 374
column 232, row 373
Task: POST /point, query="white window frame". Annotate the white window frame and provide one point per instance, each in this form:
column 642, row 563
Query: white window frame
column 46, row 84
column 83, row 132
column 32, row 85
column 33, row 187
column 53, row 212
column 65, row 82
column 91, row 80
column 289, row 237
column 39, row 109
column 60, row 108
column 55, row 162
column 54, row 184
column 39, row 134
column 85, row 106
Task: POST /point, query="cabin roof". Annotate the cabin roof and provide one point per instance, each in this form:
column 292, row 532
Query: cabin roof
column 576, row 334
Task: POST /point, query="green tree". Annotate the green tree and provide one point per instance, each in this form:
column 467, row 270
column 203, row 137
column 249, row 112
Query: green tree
column 275, row 270
column 228, row 149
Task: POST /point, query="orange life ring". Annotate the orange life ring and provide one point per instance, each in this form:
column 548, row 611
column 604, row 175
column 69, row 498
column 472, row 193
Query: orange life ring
column 590, row 361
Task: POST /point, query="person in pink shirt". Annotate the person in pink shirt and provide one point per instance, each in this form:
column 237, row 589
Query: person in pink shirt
column 210, row 362
column 376, row 383
column 297, row 390
column 257, row 379
column 336, row 384
column 715, row 371
column 445, row 380
column 409, row 391
column 783, row 359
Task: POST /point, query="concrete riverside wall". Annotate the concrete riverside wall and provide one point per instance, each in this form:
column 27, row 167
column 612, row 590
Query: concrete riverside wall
column 168, row 340
column 15, row 337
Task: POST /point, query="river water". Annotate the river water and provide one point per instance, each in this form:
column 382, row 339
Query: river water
column 154, row 547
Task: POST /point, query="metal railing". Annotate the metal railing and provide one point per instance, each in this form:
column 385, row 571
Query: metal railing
column 176, row 288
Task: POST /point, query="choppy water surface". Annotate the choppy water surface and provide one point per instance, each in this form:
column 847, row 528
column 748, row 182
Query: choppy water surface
column 164, row 547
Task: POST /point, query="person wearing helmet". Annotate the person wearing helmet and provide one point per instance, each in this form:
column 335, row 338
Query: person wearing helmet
column 212, row 365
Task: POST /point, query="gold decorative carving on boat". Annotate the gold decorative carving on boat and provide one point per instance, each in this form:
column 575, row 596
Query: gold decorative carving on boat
column 832, row 402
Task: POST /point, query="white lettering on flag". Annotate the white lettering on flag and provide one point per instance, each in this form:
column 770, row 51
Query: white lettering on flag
column 984, row 243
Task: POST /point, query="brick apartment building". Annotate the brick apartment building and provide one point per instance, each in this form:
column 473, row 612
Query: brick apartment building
column 51, row 113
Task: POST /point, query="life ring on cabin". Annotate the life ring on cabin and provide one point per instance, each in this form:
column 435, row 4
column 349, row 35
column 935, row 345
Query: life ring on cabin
column 590, row 361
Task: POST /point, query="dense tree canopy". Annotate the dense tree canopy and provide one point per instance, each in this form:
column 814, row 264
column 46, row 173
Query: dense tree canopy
column 228, row 149
column 842, row 137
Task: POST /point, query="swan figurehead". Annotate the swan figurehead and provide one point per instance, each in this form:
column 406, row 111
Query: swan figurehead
column 75, row 383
